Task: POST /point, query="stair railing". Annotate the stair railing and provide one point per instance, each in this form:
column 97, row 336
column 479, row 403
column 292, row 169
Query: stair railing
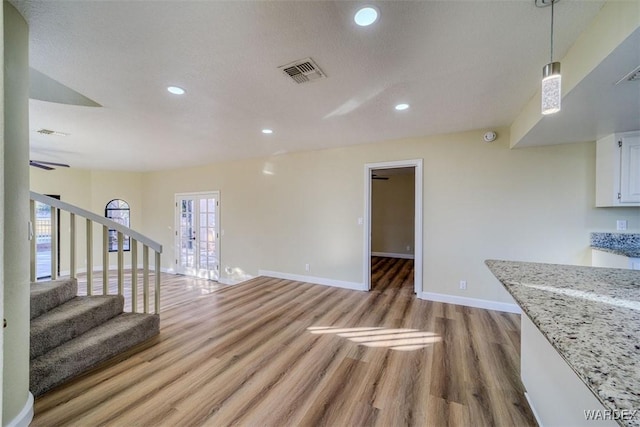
column 107, row 224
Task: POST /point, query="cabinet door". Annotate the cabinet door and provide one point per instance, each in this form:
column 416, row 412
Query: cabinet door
column 630, row 169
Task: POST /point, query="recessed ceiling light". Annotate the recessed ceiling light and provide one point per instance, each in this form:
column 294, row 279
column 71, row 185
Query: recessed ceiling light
column 366, row 16
column 267, row 131
column 402, row 107
column 175, row 90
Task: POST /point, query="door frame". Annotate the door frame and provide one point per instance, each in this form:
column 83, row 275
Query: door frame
column 417, row 239
column 176, row 243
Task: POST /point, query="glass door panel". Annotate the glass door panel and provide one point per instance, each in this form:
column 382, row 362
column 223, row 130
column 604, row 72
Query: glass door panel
column 187, row 239
column 43, row 229
column 197, row 235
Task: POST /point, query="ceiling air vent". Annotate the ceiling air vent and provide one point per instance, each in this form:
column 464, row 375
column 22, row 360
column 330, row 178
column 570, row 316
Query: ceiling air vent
column 633, row 76
column 303, row 71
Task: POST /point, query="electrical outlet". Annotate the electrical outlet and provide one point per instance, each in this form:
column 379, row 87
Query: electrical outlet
column 621, row 224
column 307, row 267
column 463, row 284
column 408, row 248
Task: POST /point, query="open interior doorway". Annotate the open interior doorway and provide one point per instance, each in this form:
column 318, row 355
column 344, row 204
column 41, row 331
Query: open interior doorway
column 393, row 224
column 393, row 229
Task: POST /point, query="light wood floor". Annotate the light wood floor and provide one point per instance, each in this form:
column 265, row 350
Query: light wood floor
column 273, row 352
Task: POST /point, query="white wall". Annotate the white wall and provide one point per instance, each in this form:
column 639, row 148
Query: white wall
column 392, row 215
column 480, row 201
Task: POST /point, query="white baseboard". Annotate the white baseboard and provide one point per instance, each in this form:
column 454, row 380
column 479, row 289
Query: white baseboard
column 471, row 302
column 392, row 255
column 354, row 286
column 24, row 418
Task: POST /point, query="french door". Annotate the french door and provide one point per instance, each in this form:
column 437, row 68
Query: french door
column 197, row 234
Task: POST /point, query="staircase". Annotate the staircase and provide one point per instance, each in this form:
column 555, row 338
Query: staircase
column 71, row 334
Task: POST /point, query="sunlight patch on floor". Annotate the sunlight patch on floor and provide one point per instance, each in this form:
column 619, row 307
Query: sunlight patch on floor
column 395, row 339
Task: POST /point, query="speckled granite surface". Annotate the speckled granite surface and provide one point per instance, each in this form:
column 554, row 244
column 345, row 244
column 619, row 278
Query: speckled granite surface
column 591, row 316
column 627, row 244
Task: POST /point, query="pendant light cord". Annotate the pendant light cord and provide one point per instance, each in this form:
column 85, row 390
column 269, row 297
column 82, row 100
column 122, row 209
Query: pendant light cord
column 552, row 3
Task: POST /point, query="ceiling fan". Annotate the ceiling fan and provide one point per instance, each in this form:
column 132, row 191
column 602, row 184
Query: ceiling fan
column 48, row 166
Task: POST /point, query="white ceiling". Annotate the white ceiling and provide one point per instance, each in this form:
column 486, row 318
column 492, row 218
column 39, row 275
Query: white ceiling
column 461, row 65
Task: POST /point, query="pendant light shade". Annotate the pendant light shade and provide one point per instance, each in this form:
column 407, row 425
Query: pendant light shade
column 551, row 78
column 551, row 88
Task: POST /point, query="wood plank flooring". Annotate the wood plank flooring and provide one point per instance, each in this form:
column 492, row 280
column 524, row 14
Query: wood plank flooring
column 272, row 352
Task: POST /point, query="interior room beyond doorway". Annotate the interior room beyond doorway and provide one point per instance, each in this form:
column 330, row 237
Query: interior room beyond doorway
column 392, row 225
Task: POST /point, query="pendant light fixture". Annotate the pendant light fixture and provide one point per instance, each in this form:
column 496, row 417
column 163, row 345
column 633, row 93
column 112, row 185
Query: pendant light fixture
column 551, row 79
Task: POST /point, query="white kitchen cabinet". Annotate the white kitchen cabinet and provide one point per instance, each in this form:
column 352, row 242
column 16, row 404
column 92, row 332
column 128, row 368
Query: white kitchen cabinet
column 610, row 260
column 618, row 170
column 556, row 394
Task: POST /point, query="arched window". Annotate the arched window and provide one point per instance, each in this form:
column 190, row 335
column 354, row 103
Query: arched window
column 118, row 211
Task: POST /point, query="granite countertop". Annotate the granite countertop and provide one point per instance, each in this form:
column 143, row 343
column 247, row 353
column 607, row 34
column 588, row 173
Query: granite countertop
column 626, row 244
column 592, row 318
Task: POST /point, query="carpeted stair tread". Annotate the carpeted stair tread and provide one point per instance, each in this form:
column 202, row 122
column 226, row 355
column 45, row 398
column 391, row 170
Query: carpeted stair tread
column 93, row 347
column 70, row 320
column 48, row 295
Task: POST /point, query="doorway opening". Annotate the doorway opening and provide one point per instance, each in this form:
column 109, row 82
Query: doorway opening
column 393, row 224
column 197, row 234
column 392, row 229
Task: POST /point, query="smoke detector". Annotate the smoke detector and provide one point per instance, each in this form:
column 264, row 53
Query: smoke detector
column 303, row 71
column 490, row 136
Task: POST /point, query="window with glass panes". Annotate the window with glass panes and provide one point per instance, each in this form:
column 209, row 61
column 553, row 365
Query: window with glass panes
column 118, row 210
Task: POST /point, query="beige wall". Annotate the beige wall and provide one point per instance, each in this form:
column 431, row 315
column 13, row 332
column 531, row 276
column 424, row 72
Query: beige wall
column 16, row 400
column 1, row 206
column 480, row 201
column 72, row 185
column 295, row 214
column 90, row 190
column 392, row 214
